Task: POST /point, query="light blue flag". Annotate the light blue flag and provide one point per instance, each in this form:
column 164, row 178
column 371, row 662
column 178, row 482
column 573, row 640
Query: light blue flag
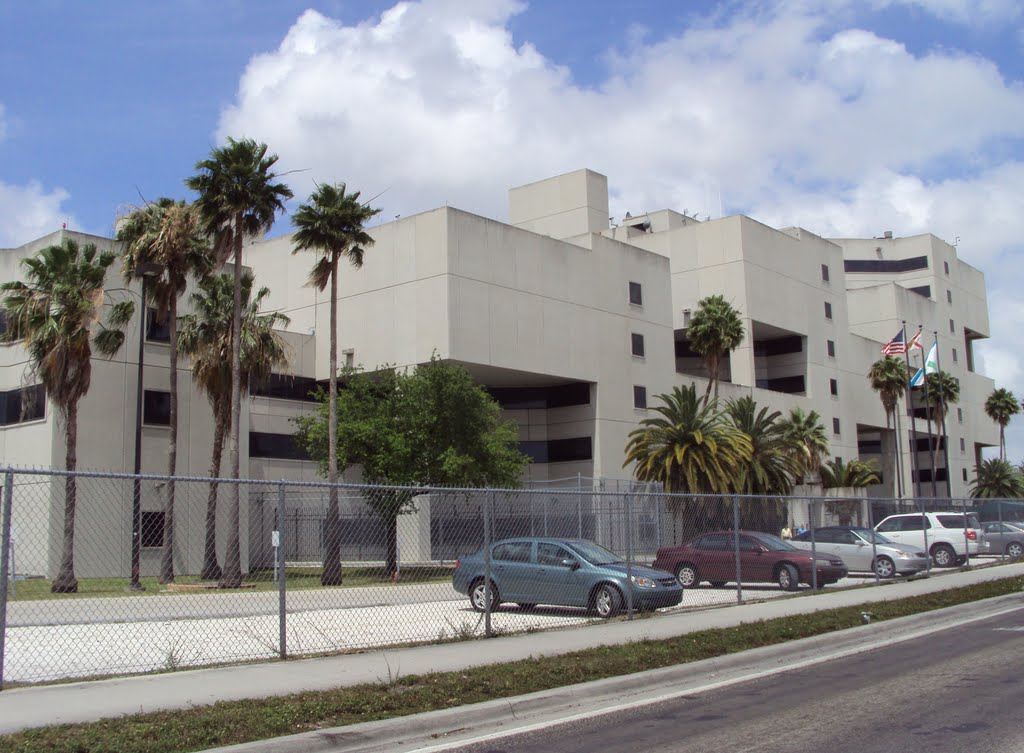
column 931, row 366
column 918, row 379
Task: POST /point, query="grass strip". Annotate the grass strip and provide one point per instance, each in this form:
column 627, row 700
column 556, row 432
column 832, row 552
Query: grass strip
column 234, row 722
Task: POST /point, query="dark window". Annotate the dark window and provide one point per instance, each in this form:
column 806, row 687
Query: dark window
column 21, row 405
column 558, row 396
column 824, row 272
column 714, row 542
column 914, row 523
column 156, row 408
column 964, row 473
column 828, row 310
column 636, row 294
column 949, row 296
column 791, row 385
column 155, row 331
column 637, row 343
column 830, row 348
column 835, row 426
column 780, row 346
column 945, row 265
column 833, row 386
column 869, row 447
column 957, row 521
column 886, row 265
column 281, row 446
column 924, row 444
column 960, row 415
column 955, row 358
column 925, row 474
column 553, row 555
column 152, row 531
column 558, row 450
column 287, row 387
column 963, row 445
column 512, row 551
column 639, row 396
column 3, row 325
column 821, row 536
column 748, row 544
column 925, row 291
column 952, row 326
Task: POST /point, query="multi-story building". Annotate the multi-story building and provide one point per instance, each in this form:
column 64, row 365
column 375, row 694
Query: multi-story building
column 573, row 322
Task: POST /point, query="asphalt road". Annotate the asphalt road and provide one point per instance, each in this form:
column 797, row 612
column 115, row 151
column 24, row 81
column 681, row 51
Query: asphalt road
column 961, row 690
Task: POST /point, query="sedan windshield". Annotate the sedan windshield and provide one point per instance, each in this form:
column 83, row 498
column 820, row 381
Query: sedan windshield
column 774, row 543
column 868, row 535
column 594, row 554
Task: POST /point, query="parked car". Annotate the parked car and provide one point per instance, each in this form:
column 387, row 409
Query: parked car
column 949, row 541
column 1005, row 538
column 764, row 558
column 563, row 572
column 852, row 544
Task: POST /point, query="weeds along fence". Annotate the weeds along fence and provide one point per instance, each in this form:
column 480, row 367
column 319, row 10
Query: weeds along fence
column 108, row 574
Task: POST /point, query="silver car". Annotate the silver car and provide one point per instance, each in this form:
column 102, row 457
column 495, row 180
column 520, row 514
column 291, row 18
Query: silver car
column 853, row 545
column 1005, row 538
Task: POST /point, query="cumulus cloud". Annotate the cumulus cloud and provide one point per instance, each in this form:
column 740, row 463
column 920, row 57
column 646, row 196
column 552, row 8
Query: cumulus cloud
column 30, row 211
column 789, row 112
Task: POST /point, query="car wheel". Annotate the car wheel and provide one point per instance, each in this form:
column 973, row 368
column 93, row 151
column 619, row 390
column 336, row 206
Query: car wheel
column 1014, row 550
column 478, row 596
column 607, row 601
column 526, row 607
column 885, row 568
column 687, row 575
column 719, row 583
column 788, row 578
column 943, row 555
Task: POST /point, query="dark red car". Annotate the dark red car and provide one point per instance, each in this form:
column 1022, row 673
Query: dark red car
column 763, row 559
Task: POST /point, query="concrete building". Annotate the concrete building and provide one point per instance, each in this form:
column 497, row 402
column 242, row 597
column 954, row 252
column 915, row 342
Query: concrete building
column 574, row 323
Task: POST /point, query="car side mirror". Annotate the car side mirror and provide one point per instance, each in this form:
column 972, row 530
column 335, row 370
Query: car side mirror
column 571, row 563
column 861, row 542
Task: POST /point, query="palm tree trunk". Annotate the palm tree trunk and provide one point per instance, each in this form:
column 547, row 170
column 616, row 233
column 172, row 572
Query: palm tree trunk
column 330, row 575
column 167, row 555
column 712, row 364
column 232, row 575
column 211, row 570
column 1002, row 443
column 65, row 582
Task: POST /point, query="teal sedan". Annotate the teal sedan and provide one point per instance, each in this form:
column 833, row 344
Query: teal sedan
column 563, row 572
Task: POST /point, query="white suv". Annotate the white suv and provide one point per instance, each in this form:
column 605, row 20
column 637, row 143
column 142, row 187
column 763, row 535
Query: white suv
column 949, row 541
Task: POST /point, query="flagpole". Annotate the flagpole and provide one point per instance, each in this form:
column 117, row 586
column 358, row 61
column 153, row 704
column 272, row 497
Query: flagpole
column 928, row 420
column 914, row 471
column 945, row 434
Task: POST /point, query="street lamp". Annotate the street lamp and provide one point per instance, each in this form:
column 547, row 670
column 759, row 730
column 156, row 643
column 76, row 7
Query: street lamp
column 144, row 270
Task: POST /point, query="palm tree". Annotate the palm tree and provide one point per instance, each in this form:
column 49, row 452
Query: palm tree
column 166, row 234
column 205, row 336
column 888, row 377
column 715, row 328
column 770, row 472
column 854, row 473
column 238, row 198
column 1001, row 406
column 943, row 390
column 332, row 224
column 55, row 314
column 690, row 447
column 806, row 444
column 997, row 479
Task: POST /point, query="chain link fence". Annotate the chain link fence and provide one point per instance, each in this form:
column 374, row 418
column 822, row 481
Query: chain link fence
column 108, row 574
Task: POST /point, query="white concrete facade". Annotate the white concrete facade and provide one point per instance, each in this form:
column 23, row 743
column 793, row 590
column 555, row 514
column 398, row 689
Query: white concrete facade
column 539, row 310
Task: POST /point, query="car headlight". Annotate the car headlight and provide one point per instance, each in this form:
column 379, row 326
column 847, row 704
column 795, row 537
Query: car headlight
column 641, row 582
column 901, row 553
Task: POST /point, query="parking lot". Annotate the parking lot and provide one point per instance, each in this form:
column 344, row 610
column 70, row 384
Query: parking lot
column 52, row 640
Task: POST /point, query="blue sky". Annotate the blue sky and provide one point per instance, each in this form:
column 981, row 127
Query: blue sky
column 847, row 117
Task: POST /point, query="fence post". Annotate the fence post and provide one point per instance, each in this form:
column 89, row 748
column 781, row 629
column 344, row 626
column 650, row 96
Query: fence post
column 924, row 530
column 627, row 502
column 5, row 553
column 814, row 547
column 874, row 544
column 282, row 611
column 736, row 548
column 488, row 500
column 999, row 512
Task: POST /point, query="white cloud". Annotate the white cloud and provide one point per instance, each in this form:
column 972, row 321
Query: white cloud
column 30, row 211
column 790, row 111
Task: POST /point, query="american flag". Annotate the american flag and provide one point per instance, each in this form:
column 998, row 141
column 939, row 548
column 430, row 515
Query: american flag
column 896, row 345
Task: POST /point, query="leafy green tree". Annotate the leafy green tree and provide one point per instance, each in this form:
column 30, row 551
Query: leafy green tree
column 55, row 314
column 715, row 329
column 1001, row 406
column 943, row 390
column 205, row 336
column 166, row 234
column 997, row 479
column 332, row 224
column 690, row 448
column 238, row 199
column 805, row 440
column 769, row 472
column 431, row 427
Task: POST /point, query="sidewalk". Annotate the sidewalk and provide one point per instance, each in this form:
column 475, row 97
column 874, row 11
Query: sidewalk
column 22, row 708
